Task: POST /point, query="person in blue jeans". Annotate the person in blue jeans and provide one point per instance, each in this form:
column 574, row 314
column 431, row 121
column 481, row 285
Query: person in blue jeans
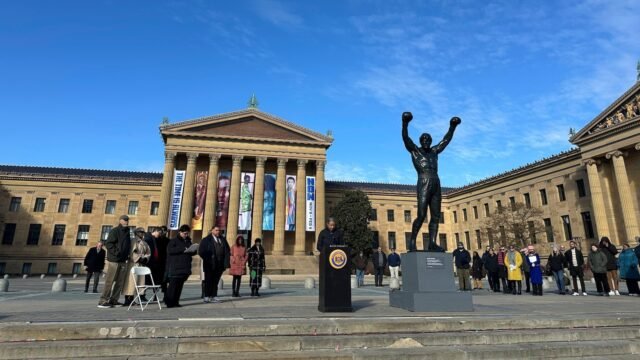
column 360, row 264
column 555, row 264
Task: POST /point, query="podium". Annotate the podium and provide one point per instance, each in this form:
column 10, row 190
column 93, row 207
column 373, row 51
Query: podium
column 335, row 279
column 428, row 285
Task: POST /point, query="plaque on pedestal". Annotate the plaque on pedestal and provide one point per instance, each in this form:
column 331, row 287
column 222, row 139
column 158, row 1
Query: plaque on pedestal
column 335, row 279
column 428, row 285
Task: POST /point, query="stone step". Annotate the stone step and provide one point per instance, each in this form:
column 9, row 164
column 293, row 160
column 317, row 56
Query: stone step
column 288, row 345
column 291, row 327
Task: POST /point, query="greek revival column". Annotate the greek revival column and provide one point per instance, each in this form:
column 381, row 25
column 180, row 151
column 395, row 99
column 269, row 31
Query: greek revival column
column 258, row 199
column 281, row 202
column 597, row 198
column 301, row 198
column 234, row 200
column 320, row 197
column 624, row 191
column 212, row 192
column 189, row 186
column 165, row 192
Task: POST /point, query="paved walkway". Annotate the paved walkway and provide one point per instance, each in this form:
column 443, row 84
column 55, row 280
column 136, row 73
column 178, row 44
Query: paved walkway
column 30, row 300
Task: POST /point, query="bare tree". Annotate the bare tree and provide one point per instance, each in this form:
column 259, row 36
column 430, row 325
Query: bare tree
column 515, row 224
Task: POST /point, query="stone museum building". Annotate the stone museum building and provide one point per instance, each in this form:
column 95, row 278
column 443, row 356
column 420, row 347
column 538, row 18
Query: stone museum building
column 257, row 175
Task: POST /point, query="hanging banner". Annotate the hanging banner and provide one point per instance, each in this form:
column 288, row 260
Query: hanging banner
column 246, row 200
column 199, row 206
column 310, row 223
column 290, row 224
column 268, row 210
column 222, row 208
column 176, row 200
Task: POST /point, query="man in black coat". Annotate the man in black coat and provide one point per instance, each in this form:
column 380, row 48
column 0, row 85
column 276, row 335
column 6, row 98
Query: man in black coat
column 155, row 263
column 330, row 235
column 215, row 253
column 178, row 265
column 463, row 264
column 575, row 263
column 379, row 259
column 118, row 246
column 484, row 260
column 94, row 264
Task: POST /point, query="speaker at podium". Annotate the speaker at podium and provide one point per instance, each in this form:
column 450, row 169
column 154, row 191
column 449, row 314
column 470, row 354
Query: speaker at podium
column 335, row 279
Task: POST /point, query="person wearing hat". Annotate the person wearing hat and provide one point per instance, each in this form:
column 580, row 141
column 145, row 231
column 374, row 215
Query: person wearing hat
column 462, row 259
column 394, row 263
column 179, row 254
column 118, row 245
column 257, row 266
column 533, row 260
column 139, row 256
column 513, row 262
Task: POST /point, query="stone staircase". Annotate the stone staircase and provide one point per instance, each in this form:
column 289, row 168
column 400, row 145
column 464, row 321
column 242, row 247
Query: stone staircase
column 328, row 338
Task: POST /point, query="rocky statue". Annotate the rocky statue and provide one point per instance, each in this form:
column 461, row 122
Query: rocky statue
column 425, row 160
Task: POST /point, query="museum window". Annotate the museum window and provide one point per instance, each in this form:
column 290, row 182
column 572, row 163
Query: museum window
column 83, row 235
column 87, row 206
column 475, row 212
column 8, row 234
column 155, row 207
column 407, row 240
column 512, row 203
column 582, row 192
column 110, row 208
column 133, row 207
column 588, row 225
column 39, row 206
column 566, row 224
column 425, row 240
column 490, row 237
column 76, row 268
column 499, row 205
column 390, row 215
column 375, row 242
column 3, row 268
column 34, row 234
column 52, row 269
column 441, row 218
column 486, row 210
column 503, row 234
column 478, row 239
column 14, row 205
column 407, row 216
column 455, row 217
column 58, row 234
column 391, row 236
column 467, row 240
column 26, row 269
column 527, row 200
column 561, row 194
column 543, row 197
column 532, row 232
column 457, row 236
column 63, row 206
column 374, row 215
column 104, row 233
column 443, row 242
column 548, row 228
column 464, row 215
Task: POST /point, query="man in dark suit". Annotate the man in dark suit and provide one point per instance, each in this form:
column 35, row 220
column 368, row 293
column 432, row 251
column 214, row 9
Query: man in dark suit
column 379, row 259
column 94, row 264
column 331, row 235
column 215, row 253
column 575, row 262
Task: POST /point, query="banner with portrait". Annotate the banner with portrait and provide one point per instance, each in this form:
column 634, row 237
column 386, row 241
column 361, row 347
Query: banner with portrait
column 290, row 208
column 310, row 223
column 222, row 199
column 246, row 200
column 199, row 201
column 176, row 200
column 268, row 209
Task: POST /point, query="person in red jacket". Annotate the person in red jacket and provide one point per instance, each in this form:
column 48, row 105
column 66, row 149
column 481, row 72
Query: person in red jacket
column 238, row 264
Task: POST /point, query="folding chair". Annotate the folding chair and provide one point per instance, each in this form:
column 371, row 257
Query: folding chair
column 141, row 289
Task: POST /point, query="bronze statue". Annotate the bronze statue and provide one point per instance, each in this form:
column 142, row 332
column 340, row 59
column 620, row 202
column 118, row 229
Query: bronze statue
column 425, row 160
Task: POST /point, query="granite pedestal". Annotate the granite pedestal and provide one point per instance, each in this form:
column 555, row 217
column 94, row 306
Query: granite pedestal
column 428, row 285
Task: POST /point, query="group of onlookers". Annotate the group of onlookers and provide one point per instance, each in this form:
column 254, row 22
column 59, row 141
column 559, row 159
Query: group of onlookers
column 506, row 269
column 170, row 263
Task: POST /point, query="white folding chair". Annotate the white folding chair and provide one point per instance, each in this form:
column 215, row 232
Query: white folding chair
column 141, row 289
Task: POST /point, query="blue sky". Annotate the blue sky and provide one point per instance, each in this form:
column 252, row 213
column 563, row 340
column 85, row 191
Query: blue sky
column 86, row 83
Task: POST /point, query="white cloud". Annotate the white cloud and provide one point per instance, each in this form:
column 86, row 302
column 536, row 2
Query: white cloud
column 278, row 14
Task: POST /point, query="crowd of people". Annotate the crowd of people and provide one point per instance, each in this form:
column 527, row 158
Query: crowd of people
column 170, row 263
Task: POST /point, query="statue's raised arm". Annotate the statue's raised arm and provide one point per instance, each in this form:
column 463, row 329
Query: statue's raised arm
column 408, row 143
column 455, row 121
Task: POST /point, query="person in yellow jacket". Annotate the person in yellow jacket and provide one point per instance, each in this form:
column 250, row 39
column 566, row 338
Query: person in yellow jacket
column 513, row 262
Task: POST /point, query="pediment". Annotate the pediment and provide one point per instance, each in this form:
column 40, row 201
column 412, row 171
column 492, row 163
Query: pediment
column 625, row 111
column 248, row 124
